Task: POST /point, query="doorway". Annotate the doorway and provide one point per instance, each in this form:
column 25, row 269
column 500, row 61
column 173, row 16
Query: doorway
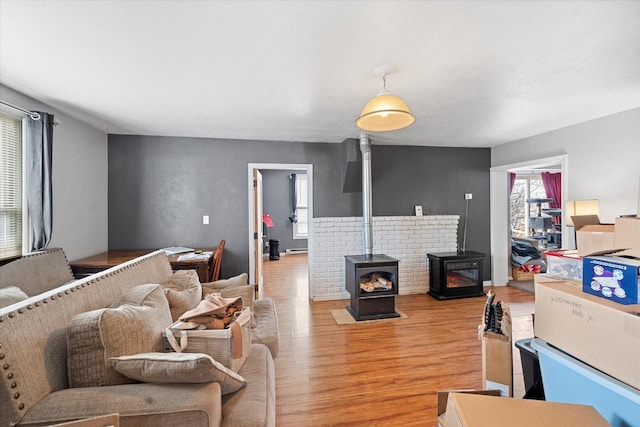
column 500, row 211
column 255, row 195
column 534, row 210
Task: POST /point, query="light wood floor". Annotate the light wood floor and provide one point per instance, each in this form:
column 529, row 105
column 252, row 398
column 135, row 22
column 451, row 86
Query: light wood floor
column 384, row 373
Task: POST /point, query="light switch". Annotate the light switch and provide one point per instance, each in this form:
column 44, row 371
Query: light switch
column 205, row 219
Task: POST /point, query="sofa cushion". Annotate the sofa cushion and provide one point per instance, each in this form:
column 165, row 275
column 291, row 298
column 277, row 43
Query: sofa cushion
column 177, row 368
column 266, row 330
column 183, row 292
column 131, row 325
column 253, row 405
column 142, row 404
column 11, row 295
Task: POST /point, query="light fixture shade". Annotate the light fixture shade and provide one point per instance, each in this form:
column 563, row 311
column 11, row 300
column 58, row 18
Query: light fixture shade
column 385, row 113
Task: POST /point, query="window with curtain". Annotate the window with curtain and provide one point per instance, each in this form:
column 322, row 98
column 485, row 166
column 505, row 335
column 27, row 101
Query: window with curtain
column 524, row 187
column 10, row 186
column 301, row 227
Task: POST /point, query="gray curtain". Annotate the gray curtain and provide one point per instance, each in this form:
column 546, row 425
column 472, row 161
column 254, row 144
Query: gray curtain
column 39, row 201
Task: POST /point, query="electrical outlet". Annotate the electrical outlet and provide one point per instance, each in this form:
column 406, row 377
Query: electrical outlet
column 468, row 196
column 205, row 219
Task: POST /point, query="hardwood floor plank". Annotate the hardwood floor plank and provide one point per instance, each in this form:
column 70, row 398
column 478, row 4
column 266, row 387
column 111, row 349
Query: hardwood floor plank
column 377, row 373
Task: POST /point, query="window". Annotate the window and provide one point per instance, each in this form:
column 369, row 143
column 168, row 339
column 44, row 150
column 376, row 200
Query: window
column 301, row 228
column 10, row 186
column 525, row 187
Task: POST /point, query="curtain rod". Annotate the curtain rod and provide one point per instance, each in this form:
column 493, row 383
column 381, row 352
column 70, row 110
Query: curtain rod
column 32, row 114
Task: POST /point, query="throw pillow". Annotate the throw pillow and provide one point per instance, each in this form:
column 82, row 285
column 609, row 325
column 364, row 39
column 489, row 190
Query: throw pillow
column 183, row 292
column 131, row 325
column 11, row 295
column 233, row 287
column 239, row 280
column 178, row 368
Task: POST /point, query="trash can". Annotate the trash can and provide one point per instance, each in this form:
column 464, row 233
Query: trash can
column 274, row 249
column 530, row 370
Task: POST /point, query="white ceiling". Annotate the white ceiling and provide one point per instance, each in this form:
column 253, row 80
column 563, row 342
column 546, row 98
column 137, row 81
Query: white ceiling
column 474, row 73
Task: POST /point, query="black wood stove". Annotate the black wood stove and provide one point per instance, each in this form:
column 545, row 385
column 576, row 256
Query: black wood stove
column 455, row 274
column 372, row 282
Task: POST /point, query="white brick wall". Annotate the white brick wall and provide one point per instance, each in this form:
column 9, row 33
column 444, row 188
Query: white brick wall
column 406, row 238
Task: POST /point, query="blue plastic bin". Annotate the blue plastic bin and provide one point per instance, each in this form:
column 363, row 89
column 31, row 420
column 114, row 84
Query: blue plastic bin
column 568, row 380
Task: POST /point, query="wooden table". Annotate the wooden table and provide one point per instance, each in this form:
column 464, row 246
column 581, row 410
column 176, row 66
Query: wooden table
column 100, row 262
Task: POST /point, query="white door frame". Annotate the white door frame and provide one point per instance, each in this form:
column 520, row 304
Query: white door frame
column 499, row 218
column 280, row 166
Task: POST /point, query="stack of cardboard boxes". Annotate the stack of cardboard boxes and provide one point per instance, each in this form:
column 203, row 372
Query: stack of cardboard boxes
column 600, row 341
column 627, row 233
column 594, row 322
column 614, row 276
column 621, row 239
column 586, row 306
column 592, row 236
column 600, row 332
column 495, row 406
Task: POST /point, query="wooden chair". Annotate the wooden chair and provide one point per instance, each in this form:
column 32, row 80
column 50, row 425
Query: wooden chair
column 214, row 270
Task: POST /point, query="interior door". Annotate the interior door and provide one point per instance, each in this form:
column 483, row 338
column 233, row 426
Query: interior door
column 257, row 227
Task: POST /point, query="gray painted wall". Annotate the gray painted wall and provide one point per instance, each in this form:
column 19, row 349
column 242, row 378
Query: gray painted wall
column 436, row 178
column 603, row 156
column 160, row 187
column 276, row 190
column 79, row 181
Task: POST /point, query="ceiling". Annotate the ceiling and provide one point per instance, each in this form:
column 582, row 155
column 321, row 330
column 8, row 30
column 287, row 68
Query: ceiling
column 474, row 73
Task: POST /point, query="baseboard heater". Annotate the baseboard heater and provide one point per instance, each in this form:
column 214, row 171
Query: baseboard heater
column 296, row 251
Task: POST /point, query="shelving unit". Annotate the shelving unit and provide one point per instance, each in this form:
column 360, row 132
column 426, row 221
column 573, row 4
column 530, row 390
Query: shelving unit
column 542, row 222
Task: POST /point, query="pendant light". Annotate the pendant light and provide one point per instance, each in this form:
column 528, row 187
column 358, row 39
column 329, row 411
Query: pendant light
column 385, row 112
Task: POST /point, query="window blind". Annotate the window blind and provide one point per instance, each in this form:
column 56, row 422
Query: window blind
column 10, row 186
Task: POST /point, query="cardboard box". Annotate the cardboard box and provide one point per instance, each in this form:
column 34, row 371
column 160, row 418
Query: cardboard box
column 472, row 410
column 601, row 333
column 564, row 264
column 592, row 236
column 612, row 277
column 497, row 363
column 627, row 236
column 497, row 357
column 443, row 397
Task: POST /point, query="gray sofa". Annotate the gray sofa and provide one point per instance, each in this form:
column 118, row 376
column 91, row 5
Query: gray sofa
column 34, row 385
column 34, row 274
